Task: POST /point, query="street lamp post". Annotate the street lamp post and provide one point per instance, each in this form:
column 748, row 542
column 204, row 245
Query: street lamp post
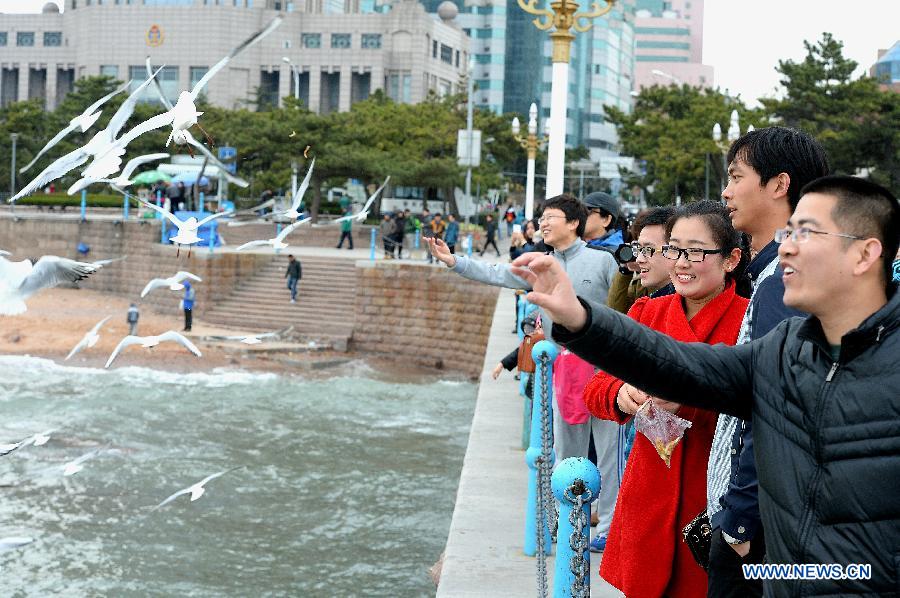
column 734, row 132
column 532, row 144
column 12, row 169
column 296, row 72
column 470, row 115
column 563, row 17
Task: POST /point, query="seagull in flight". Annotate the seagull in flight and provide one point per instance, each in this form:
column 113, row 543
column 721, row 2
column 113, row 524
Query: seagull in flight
column 173, row 282
column 278, row 241
column 13, row 542
column 247, row 339
column 364, row 212
column 151, row 341
column 293, row 212
column 196, row 490
column 38, row 439
column 100, row 263
column 187, row 229
column 124, row 178
column 83, row 121
column 21, row 280
column 76, row 465
column 104, row 147
column 88, row 340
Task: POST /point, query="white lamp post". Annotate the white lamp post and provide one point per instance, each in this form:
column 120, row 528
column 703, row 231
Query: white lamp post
column 296, row 72
column 733, row 134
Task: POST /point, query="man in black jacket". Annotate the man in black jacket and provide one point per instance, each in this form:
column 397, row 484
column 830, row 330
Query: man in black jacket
column 822, row 390
column 293, row 274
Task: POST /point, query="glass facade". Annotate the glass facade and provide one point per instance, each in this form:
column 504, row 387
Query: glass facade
column 523, row 49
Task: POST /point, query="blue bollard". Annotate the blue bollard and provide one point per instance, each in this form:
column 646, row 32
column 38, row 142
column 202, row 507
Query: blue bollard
column 469, row 245
column 277, row 232
column 574, row 478
column 418, row 234
column 125, row 206
column 83, row 205
column 372, row 246
column 213, row 226
column 541, row 413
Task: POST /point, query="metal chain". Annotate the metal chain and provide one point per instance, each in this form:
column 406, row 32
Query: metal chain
column 541, row 557
column 546, row 467
column 578, row 494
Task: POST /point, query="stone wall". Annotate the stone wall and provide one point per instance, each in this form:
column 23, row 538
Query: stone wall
column 423, row 314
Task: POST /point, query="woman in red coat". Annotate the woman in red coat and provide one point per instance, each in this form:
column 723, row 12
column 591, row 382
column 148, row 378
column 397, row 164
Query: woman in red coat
column 645, row 556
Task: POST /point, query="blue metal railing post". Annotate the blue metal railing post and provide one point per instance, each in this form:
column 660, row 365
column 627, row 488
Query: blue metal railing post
column 125, row 205
column 212, row 235
column 83, row 205
column 372, row 246
column 469, row 245
column 573, row 477
column 277, row 232
column 533, row 454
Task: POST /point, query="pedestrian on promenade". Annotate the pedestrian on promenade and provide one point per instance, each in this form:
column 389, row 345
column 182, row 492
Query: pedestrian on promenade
column 411, row 225
column 657, row 501
column 426, row 232
column 387, row 229
column 562, row 224
column 510, row 217
column 132, row 319
column 821, row 390
column 346, row 229
column 601, row 230
column 187, row 304
column 767, row 169
column 293, row 274
column 451, row 236
column 490, row 231
column 438, row 226
column 399, row 231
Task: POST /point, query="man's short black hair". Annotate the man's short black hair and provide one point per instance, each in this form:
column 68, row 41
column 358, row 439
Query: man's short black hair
column 657, row 216
column 864, row 209
column 773, row 150
column 571, row 207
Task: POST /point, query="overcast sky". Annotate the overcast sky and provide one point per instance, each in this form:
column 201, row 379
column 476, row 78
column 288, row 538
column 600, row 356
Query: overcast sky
column 745, row 40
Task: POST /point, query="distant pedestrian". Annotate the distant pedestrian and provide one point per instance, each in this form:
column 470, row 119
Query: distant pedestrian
column 132, row 319
column 427, row 232
column 187, row 304
column 451, row 235
column 387, row 229
column 510, row 217
column 490, row 231
column 346, row 228
column 293, row 274
column 400, row 231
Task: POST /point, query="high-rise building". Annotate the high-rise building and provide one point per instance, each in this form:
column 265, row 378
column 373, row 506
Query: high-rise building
column 669, row 44
column 887, row 68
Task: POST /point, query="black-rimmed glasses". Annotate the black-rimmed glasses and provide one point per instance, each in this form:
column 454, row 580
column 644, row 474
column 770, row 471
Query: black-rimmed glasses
column 645, row 250
column 801, row 235
column 693, row 254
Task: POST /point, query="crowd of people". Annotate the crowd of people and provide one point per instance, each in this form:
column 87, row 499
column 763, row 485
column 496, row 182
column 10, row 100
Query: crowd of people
column 769, row 323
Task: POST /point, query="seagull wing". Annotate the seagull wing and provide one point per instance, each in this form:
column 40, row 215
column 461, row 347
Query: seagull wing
column 178, row 223
column 153, row 284
column 162, row 97
column 132, row 164
column 125, row 342
column 81, row 345
column 372, row 197
column 172, row 497
column 154, row 122
column 58, row 168
column 171, row 335
column 14, row 542
column 214, row 160
column 101, row 263
column 99, row 325
column 212, row 217
column 125, row 111
column 256, row 37
column 96, row 105
column 213, row 476
column 290, row 228
column 252, row 244
column 301, row 190
column 182, row 275
column 56, row 139
column 51, row 270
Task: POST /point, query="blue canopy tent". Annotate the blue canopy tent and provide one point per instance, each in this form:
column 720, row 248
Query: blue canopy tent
column 189, row 178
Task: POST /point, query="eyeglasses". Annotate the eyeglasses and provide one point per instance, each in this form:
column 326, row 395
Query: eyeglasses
column 693, row 254
column 801, row 235
column 547, row 218
column 645, row 250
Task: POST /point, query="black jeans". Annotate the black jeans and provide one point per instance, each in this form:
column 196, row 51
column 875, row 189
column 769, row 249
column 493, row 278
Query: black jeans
column 188, row 318
column 345, row 234
column 490, row 241
column 726, row 577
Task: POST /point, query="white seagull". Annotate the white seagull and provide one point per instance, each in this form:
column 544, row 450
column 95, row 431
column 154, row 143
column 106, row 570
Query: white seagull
column 100, row 263
column 196, row 490
column 38, row 439
column 184, row 114
column 278, row 241
column 124, row 178
column 88, row 340
column 187, row 229
column 173, row 282
column 13, row 542
column 76, row 465
column 294, row 211
column 83, row 121
column 151, row 341
column 103, row 146
column 247, row 339
column 21, row 280
column 364, row 212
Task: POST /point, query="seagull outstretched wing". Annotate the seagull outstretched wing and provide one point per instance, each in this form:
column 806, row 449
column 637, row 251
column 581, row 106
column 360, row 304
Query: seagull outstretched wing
column 195, row 490
column 212, row 217
column 171, row 335
column 86, row 339
column 290, row 228
column 125, row 342
column 51, row 270
column 250, row 244
column 301, row 190
column 178, row 223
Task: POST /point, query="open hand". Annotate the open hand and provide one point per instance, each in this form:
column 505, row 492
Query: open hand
column 495, row 373
column 551, row 289
column 440, row 250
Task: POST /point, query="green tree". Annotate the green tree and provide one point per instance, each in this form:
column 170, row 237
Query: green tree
column 856, row 122
column 670, row 131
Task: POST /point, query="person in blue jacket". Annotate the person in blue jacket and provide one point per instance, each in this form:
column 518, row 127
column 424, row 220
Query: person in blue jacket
column 187, row 304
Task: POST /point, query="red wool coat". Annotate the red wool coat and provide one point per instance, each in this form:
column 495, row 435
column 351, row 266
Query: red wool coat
column 645, row 555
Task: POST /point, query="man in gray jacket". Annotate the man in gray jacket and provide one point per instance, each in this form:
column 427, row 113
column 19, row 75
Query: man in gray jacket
column 591, row 272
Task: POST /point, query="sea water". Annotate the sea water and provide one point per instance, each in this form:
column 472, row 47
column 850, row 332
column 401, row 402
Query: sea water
column 345, row 486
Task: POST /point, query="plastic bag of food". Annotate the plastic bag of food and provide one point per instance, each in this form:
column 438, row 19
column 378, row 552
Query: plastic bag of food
column 664, row 430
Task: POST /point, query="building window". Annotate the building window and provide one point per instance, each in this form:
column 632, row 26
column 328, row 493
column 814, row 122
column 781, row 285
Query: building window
column 371, row 41
column 25, row 38
column 446, row 54
column 74, row 4
column 457, row 58
column 196, row 73
column 340, row 40
column 434, row 49
column 2, row 38
column 109, row 70
column 167, row 77
column 311, row 40
column 52, row 38
column 399, row 87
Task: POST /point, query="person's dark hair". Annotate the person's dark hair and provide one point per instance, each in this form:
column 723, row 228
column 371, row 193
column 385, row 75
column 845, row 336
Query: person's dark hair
column 773, row 150
column 290, row 256
column 864, row 209
column 657, row 216
column 571, row 207
column 724, row 235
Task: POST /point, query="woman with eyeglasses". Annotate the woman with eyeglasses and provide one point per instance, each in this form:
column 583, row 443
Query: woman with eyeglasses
column 645, row 555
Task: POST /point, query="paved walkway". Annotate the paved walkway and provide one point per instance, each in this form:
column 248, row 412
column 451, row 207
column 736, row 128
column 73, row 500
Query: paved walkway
column 484, row 555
